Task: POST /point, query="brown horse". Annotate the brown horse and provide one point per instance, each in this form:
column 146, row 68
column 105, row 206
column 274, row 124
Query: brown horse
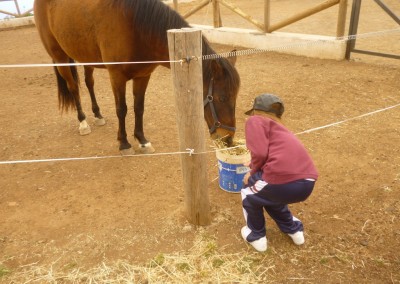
column 127, row 31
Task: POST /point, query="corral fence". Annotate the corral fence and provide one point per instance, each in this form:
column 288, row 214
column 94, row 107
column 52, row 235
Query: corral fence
column 266, row 26
column 354, row 20
column 19, row 14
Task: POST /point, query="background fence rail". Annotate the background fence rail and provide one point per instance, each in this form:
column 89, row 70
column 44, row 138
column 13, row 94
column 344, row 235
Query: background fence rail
column 266, row 26
column 19, row 14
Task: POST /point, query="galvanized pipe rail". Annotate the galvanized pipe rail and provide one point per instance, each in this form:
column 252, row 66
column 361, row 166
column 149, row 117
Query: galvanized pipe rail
column 354, row 20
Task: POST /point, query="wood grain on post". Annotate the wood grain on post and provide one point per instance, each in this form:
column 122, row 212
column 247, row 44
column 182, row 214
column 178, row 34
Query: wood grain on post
column 188, row 87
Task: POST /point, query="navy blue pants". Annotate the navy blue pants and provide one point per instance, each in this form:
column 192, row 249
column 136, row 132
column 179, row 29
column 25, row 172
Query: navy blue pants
column 274, row 198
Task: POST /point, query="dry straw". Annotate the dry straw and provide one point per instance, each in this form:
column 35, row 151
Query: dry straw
column 203, row 263
column 238, row 147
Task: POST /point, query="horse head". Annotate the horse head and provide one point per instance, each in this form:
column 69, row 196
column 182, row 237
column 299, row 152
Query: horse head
column 221, row 86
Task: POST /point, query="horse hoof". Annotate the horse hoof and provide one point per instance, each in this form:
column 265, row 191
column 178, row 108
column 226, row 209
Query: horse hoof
column 84, row 128
column 99, row 121
column 146, row 148
column 127, row 152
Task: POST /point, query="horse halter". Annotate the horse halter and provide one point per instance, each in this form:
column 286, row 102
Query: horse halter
column 210, row 100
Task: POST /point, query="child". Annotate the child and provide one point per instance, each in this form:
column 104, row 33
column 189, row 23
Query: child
column 282, row 172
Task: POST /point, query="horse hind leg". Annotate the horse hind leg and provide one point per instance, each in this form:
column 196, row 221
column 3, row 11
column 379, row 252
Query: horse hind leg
column 67, row 76
column 68, row 94
column 89, row 81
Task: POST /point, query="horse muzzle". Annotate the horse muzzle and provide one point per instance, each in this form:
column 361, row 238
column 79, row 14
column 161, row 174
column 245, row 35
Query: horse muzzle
column 225, row 136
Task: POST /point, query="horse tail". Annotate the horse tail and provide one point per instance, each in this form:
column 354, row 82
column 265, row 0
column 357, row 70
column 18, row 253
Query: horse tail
column 66, row 99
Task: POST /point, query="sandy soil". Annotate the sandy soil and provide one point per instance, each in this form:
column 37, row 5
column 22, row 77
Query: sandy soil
column 63, row 215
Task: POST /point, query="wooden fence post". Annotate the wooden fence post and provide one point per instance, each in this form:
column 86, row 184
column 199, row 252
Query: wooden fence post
column 188, row 86
column 267, row 15
column 341, row 22
column 216, row 14
column 176, row 5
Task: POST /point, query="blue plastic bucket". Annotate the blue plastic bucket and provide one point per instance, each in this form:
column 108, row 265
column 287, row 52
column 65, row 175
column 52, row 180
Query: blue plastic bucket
column 231, row 170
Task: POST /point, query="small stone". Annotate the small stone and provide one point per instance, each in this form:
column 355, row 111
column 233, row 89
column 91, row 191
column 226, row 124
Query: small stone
column 187, row 228
column 390, row 209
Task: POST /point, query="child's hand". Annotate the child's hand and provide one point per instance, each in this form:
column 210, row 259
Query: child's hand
column 246, row 178
column 247, row 164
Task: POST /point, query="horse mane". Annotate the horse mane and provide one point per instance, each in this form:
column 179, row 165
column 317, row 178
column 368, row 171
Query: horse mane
column 152, row 18
column 231, row 75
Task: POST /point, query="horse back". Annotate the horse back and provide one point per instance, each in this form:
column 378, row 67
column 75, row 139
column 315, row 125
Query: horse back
column 92, row 31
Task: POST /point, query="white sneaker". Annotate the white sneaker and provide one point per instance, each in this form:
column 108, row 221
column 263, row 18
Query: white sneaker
column 298, row 238
column 260, row 244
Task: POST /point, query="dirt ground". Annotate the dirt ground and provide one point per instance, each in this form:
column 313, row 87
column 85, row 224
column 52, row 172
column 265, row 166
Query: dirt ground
column 57, row 216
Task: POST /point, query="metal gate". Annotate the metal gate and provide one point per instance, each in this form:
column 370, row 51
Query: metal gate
column 354, row 19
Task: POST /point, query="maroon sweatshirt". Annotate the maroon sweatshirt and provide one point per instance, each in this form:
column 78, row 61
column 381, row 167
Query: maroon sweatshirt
column 276, row 152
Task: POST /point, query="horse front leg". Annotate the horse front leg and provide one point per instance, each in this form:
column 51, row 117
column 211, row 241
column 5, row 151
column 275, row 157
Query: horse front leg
column 89, row 80
column 118, row 83
column 139, row 91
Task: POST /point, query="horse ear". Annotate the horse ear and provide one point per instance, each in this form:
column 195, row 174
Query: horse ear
column 232, row 57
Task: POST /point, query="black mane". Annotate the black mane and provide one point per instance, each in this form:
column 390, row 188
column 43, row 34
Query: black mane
column 152, row 19
column 231, row 74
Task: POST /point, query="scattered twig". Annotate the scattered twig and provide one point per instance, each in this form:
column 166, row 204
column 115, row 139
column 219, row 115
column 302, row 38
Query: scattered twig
column 362, row 229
